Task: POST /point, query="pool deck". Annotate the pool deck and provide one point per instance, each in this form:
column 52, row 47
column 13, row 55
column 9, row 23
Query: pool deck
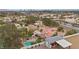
column 41, row 47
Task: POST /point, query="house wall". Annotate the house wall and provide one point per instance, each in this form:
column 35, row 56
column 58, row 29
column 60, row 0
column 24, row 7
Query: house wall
column 47, row 45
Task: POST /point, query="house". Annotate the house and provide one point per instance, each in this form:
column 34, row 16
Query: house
column 38, row 23
column 47, row 31
column 7, row 20
column 37, row 33
column 77, row 20
column 31, row 27
column 57, row 42
column 70, row 20
column 18, row 26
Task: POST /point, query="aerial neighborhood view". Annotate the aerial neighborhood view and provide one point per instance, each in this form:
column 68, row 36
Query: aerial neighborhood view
column 39, row 29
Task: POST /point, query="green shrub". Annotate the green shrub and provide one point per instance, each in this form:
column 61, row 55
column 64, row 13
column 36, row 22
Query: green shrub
column 38, row 40
column 70, row 32
column 60, row 29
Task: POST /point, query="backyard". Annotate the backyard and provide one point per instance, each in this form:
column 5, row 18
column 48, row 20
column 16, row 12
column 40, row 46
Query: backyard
column 75, row 41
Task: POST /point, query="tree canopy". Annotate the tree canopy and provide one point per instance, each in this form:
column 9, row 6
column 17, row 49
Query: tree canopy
column 49, row 22
column 9, row 36
column 31, row 19
column 60, row 29
column 70, row 32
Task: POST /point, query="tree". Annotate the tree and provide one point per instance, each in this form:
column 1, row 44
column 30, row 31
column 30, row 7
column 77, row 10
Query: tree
column 9, row 36
column 31, row 19
column 38, row 40
column 1, row 22
column 22, row 32
column 55, row 34
column 60, row 29
column 49, row 22
column 70, row 32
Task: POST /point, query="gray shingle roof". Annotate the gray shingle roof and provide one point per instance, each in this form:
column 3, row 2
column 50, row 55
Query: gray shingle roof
column 53, row 39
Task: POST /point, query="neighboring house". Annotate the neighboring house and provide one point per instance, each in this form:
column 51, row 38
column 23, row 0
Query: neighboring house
column 38, row 23
column 37, row 33
column 18, row 26
column 48, row 32
column 7, row 20
column 57, row 42
column 70, row 20
column 77, row 20
column 31, row 27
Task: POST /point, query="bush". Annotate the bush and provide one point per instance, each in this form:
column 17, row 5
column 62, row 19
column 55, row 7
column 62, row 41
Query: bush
column 38, row 40
column 70, row 32
column 60, row 29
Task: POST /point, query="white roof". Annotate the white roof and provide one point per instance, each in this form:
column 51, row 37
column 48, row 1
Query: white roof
column 37, row 32
column 64, row 43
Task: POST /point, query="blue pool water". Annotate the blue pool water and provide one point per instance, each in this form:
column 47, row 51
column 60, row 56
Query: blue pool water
column 27, row 43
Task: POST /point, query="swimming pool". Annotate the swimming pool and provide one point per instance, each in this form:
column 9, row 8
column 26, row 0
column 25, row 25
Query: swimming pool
column 27, row 44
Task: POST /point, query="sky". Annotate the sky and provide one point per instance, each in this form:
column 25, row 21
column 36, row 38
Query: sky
column 39, row 4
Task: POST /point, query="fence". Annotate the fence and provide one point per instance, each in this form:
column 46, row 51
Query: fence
column 71, row 35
